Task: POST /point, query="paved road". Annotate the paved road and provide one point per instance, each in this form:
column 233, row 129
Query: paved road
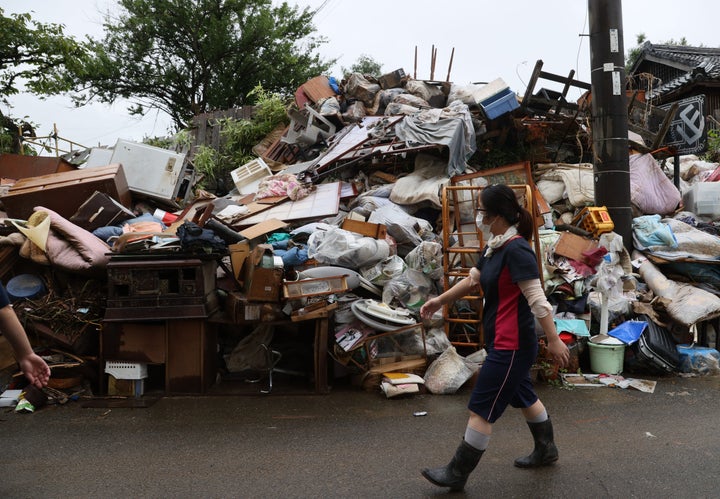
column 613, row 443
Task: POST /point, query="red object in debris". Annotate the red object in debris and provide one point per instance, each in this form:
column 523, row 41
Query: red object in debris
column 167, row 218
column 567, row 338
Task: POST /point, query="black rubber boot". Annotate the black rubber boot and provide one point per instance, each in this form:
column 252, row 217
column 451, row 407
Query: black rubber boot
column 545, row 452
column 456, row 473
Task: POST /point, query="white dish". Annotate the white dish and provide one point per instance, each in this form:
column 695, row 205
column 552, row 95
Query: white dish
column 374, row 323
column 382, row 311
column 381, row 323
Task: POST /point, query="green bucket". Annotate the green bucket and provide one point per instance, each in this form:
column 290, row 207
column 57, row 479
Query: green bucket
column 606, row 356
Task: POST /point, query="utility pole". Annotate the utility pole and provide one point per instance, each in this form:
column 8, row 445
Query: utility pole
column 609, row 115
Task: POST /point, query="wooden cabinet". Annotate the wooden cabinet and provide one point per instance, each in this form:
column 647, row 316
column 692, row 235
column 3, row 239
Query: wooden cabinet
column 186, row 347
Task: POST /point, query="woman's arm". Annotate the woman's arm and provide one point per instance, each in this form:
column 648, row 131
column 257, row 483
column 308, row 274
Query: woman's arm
column 33, row 366
column 462, row 288
column 542, row 310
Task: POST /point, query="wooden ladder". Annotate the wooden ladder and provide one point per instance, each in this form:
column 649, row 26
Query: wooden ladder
column 463, row 243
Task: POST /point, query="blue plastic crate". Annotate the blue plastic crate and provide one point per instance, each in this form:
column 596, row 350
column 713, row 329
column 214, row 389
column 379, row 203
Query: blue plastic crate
column 499, row 104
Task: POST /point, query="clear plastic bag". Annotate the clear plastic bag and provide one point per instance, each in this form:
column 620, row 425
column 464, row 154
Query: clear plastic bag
column 427, row 258
column 410, row 289
column 447, row 373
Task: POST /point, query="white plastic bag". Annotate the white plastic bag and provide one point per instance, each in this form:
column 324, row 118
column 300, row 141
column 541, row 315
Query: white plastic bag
column 337, row 246
column 447, row 373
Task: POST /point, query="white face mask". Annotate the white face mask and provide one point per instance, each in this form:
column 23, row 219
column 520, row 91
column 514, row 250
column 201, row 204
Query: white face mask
column 480, row 222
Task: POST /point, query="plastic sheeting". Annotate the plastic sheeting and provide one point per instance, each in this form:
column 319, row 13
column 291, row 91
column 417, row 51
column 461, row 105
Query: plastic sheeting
column 451, row 126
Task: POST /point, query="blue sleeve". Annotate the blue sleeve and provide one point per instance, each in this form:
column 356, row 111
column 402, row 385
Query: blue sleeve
column 4, row 298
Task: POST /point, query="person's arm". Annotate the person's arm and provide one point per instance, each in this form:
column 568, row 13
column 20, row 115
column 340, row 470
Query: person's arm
column 32, row 365
column 542, row 310
column 462, row 288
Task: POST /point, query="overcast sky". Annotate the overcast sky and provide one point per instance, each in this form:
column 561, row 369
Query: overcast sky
column 498, row 39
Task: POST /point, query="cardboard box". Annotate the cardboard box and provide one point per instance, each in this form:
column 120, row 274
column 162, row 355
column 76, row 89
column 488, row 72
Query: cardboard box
column 64, row 192
column 262, row 280
column 572, row 246
column 238, row 254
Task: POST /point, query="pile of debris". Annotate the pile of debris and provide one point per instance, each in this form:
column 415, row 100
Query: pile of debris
column 356, row 211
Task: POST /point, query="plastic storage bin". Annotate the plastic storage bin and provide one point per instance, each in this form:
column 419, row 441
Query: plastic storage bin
column 594, row 219
column 120, row 369
column 703, row 199
column 501, row 103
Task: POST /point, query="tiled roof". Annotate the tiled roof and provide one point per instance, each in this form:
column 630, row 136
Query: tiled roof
column 702, row 62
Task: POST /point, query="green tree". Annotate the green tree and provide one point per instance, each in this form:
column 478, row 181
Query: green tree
column 186, row 57
column 30, row 52
column 365, row 65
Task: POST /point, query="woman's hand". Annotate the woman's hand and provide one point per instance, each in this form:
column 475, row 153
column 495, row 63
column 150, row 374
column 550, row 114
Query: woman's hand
column 35, row 370
column 558, row 351
column 430, row 307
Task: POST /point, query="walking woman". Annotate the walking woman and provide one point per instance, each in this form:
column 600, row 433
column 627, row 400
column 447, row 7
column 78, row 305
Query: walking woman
column 508, row 273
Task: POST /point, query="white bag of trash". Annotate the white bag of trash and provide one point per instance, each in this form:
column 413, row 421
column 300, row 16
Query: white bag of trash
column 446, row 374
column 337, row 246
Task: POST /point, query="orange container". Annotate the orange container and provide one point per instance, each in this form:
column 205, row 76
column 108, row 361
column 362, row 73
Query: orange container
column 594, row 219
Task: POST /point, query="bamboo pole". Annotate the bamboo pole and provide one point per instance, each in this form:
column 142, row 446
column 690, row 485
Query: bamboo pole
column 415, row 67
column 452, row 55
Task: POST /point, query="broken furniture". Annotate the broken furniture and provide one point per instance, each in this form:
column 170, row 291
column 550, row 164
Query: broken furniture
column 314, row 90
column 463, row 242
column 307, row 127
column 157, row 311
column 186, row 348
column 164, row 288
column 17, row 166
column 320, row 325
column 462, row 247
column 65, row 192
column 554, row 103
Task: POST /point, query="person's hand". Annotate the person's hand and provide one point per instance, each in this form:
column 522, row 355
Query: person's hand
column 430, row 307
column 35, row 370
column 558, row 351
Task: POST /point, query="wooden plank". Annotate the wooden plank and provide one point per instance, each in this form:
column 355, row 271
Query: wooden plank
column 368, row 229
